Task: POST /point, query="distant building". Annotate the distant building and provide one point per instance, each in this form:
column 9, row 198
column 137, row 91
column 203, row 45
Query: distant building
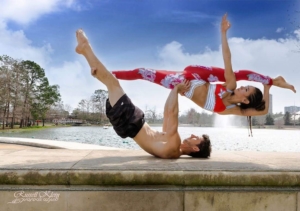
column 291, row 109
column 270, row 111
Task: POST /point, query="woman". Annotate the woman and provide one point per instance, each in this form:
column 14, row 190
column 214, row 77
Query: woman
column 219, row 98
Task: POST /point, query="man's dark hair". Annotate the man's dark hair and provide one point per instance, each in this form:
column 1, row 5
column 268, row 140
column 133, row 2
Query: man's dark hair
column 204, row 148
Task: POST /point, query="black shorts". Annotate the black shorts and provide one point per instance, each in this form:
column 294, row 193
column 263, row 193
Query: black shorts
column 125, row 117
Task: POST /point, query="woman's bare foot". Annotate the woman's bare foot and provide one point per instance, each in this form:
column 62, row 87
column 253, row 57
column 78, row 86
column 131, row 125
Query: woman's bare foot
column 82, row 41
column 280, row 82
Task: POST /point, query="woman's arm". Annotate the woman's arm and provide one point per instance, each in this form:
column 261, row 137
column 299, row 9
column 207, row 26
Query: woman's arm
column 230, row 79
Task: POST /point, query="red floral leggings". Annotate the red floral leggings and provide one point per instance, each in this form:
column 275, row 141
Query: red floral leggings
column 169, row 79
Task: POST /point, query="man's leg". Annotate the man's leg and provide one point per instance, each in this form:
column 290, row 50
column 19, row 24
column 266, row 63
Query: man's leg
column 99, row 71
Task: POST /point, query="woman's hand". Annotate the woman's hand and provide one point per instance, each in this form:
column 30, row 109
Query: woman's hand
column 183, row 87
column 267, row 86
column 225, row 24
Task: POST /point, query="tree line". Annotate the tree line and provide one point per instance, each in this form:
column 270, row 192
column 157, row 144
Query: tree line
column 25, row 92
column 92, row 110
column 27, row 96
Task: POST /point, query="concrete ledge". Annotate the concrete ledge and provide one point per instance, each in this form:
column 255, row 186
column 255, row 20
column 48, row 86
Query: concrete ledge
column 92, row 179
column 182, row 178
column 141, row 188
column 51, row 144
column 137, row 178
column 135, row 167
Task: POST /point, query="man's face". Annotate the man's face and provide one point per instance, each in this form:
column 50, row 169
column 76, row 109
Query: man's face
column 191, row 141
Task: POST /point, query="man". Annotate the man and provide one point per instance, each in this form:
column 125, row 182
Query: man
column 128, row 120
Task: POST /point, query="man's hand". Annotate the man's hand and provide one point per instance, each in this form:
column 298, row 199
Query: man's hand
column 183, row 87
column 225, row 24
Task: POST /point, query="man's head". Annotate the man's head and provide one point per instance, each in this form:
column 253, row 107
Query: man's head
column 196, row 146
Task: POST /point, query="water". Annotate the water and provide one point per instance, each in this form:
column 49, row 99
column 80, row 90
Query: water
column 232, row 139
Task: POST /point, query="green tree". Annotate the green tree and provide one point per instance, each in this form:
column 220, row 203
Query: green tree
column 269, row 120
column 287, row 118
column 45, row 97
column 254, row 121
column 32, row 78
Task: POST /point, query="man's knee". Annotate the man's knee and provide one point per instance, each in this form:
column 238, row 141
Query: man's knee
column 113, row 82
column 94, row 72
column 106, row 77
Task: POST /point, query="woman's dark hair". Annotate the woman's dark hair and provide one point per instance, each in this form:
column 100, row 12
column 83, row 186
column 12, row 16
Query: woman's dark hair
column 255, row 101
column 204, row 148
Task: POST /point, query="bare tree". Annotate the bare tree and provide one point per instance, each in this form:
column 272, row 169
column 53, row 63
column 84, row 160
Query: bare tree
column 99, row 103
column 7, row 64
column 150, row 115
column 293, row 17
column 68, row 108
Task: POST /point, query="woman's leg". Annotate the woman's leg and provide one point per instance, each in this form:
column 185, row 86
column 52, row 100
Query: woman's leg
column 280, row 82
column 214, row 74
column 167, row 79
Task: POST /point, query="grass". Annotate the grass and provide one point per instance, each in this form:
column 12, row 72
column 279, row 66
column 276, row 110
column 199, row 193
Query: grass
column 31, row 128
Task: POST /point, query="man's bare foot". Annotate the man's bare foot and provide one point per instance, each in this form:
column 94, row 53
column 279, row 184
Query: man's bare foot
column 82, row 41
column 280, row 82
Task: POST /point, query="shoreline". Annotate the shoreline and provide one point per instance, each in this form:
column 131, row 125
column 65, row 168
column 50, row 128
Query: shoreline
column 47, row 126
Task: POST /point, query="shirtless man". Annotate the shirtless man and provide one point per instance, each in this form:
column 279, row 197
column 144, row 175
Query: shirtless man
column 128, row 120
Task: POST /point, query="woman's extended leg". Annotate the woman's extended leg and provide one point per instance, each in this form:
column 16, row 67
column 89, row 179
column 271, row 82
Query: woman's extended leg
column 214, row 74
column 167, row 79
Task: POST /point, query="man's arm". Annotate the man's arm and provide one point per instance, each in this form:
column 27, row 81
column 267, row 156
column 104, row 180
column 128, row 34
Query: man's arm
column 171, row 148
column 171, row 109
column 228, row 74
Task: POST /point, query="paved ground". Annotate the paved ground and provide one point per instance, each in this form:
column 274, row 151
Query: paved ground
column 26, row 154
column 50, row 144
column 15, row 146
column 109, row 166
column 26, row 157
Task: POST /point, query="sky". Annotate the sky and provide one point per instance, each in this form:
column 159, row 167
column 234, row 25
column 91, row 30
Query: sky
column 158, row 34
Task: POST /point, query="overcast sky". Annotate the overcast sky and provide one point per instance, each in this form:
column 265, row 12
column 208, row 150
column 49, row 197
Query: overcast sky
column 162, row 34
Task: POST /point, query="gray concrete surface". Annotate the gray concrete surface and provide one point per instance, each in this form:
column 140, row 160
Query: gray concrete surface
column 116, row 179
column 136, row 167
column 51, row 144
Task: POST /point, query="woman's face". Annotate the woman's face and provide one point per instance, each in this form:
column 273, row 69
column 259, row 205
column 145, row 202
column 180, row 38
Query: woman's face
column 244, row 91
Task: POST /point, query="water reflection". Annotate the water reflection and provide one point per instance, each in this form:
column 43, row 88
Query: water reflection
column 222, row 138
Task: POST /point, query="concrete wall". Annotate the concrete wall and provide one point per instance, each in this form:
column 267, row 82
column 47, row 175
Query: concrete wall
column 48, row 198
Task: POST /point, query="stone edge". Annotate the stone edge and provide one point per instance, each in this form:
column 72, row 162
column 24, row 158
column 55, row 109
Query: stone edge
column 123, row 178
